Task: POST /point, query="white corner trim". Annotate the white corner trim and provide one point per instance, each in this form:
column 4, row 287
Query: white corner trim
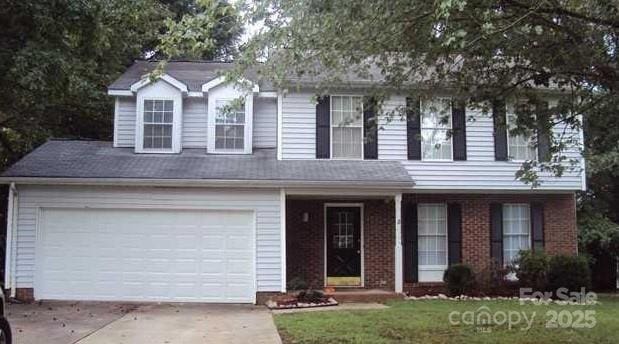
column 10, row 251
column 583, row 165
column 116, row 109
column 165, row 77
column 282, row 213
column 399, row 285
column 120, row 93
column 222, row 79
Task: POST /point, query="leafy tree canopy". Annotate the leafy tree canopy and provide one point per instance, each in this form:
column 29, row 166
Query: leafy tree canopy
column 480, row 49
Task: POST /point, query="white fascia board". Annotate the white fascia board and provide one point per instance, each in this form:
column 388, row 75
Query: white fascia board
column 222, row 79
column 271, row 94
column 395, row 186
column 165, row 77
column 120, row 93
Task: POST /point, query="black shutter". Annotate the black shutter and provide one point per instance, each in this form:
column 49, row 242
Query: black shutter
column 500, row 130
column 543, row 131
column 496, row 233
column 537, row 225
column 409, row 215
column 454, row 232
column 458, row 114
column 323, row 119
column 413, row 128
column 370, row 129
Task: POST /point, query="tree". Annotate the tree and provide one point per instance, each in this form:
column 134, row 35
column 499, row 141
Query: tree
column 480, row 49
column 57, row 58
column 211, row 32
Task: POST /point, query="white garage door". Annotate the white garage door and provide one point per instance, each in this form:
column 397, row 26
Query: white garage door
column 145, row 255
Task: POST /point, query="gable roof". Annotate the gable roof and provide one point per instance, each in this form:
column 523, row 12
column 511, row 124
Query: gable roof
column 193, row 74
column 99, row 160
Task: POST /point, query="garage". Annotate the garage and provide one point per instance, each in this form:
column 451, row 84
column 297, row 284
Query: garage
column 145, row 255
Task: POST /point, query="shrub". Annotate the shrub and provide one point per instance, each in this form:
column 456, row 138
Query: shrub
column 571, row 272
column 311, row 296
column 297, row 283
column 459, row 279
column 493, row 281
column 531, row 270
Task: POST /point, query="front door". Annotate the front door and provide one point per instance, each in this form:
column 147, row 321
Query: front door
column 344, row 246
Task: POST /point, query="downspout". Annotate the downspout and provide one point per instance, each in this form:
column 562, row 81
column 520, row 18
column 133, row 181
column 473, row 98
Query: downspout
column 9, row 260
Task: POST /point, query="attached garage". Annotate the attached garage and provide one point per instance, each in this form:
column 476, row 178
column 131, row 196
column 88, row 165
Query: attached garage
column 146, row 255
column 145, row 244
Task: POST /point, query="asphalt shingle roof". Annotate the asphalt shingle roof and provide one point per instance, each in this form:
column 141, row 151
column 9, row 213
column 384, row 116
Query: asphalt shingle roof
column 96, row 159
column 194, row 74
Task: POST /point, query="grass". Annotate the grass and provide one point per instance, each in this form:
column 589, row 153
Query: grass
column 428, row 322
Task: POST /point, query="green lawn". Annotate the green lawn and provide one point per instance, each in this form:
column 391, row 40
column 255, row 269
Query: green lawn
column 428, row 322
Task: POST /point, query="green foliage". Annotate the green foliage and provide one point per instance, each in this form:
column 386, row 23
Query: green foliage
column 459, row 279
column 571, row 272
column 212, row 32
column 479, row 49
column 597, row 232
column 532, row 269
column 297, row 283
column 311, row 296
column 56, row 59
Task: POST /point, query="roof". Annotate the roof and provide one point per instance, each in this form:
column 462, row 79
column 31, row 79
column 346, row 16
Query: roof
column 193, row 74
column 99, row 160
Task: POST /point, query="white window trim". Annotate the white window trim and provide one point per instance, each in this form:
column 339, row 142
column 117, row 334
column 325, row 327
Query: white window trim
column 508, row 115
column 248, row 130
column 530, row 231
column 176, row 126
column 227, row 150
column 331, row 127
column 435, row 268
column 421, row 128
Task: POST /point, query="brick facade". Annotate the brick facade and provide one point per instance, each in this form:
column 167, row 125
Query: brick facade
column 305, row 241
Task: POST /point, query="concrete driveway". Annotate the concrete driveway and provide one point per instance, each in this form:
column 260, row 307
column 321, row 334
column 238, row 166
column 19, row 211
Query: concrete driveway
column 106, row 322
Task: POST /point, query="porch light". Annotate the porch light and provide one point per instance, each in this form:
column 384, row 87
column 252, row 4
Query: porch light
column 305, row 217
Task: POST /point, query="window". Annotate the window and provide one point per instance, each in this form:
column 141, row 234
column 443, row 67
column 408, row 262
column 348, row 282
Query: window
column 432, row 234
column 345, row 230
column 229, row 126
column 516, row 231
column 519, row 145
column 346, row 127
column 435, row 126
column 158, row 117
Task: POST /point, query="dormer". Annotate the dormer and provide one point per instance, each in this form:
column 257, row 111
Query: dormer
column 230, row 116
column 159, row 111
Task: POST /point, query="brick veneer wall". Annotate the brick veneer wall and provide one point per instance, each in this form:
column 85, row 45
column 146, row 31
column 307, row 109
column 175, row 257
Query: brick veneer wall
column 305, row 242
column 560, row 233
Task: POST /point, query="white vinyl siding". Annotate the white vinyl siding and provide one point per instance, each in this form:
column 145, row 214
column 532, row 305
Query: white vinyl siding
column 298, row 126
column 265, row 123
column 479, row 172
column 516, row 231
column 265, row 204
column 124, row 127
column 432, row 241
column 194, row 123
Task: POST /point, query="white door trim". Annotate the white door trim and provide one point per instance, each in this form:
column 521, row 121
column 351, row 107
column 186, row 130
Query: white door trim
column 361, row 215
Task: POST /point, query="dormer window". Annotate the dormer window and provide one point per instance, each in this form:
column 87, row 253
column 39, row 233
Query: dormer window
column 158, row 124
column 230, row 126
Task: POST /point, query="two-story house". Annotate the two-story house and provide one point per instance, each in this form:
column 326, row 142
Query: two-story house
column 202, row 197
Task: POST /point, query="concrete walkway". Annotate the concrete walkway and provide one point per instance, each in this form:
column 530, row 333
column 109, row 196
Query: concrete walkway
column 103, row 322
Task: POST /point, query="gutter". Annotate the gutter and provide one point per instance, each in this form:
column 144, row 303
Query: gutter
column 400, row 185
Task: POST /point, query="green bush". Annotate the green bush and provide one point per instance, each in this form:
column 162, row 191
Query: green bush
column 531, row 270
column 297, row 283
column 571, row 272
column 459, row 279
column 311, row 296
